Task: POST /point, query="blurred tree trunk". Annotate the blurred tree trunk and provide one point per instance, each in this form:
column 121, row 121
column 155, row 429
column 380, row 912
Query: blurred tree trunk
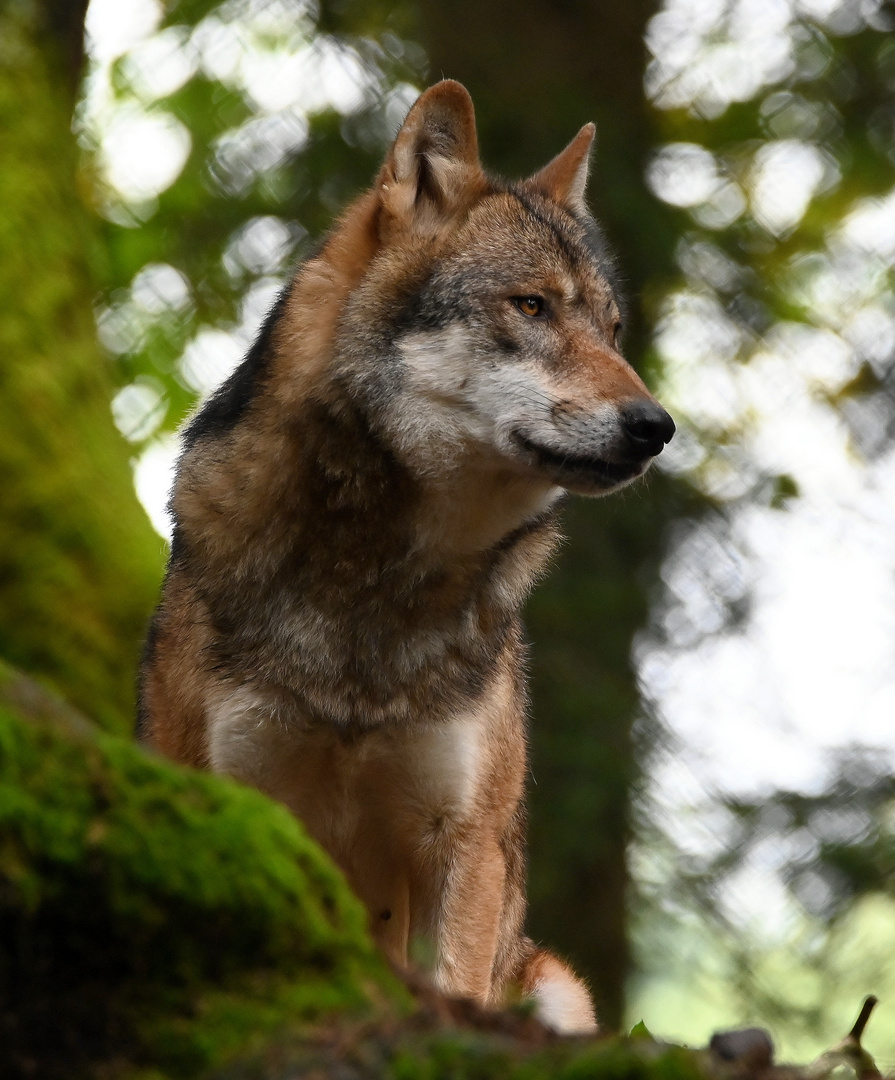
column 79, row 562
column 536, row 74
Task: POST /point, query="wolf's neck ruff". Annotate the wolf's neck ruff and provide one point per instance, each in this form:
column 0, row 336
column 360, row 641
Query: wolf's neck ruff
column 349, row 616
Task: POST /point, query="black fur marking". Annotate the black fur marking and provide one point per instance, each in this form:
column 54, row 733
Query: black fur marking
column 141, row 728
column 545, row 520
column 229, row 403
column 153, row 632
column 429, row 308
column 504, row 343
column 589, row 467
column 178, row 547
column 571, row 250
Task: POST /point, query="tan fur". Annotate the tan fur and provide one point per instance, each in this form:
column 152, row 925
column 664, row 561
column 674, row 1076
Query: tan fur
column 359, row 514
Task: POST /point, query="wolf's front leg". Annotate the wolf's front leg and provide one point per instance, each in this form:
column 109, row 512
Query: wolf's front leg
column 469, row 916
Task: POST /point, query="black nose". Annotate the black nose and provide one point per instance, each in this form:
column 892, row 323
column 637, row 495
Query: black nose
column 647, row 426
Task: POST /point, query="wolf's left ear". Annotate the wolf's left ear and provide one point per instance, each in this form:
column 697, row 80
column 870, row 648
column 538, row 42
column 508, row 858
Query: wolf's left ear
column 564, row 179
column 433, row 164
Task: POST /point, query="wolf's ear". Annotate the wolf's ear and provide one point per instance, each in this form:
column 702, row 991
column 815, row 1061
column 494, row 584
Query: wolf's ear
column 564, row 179
column 433, row 166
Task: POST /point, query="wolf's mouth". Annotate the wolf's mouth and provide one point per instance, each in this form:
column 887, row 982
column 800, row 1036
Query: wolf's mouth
column 580, row 466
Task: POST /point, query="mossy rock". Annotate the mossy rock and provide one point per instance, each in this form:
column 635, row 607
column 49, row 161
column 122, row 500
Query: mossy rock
column 153, row 916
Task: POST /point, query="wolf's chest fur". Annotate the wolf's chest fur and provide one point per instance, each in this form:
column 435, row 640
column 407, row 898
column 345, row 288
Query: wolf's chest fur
column 385, row 797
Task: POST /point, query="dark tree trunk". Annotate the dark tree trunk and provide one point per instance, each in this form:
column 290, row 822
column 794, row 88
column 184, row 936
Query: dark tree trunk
column 537, row 73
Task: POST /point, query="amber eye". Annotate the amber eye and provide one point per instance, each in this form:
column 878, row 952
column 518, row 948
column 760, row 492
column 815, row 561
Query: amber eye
column 532, row 306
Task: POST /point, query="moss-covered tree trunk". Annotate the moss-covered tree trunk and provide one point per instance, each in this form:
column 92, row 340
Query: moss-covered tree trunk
column 79, row 562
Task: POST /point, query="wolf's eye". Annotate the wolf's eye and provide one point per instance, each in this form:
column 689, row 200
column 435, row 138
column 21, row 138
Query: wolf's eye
column 529, row 305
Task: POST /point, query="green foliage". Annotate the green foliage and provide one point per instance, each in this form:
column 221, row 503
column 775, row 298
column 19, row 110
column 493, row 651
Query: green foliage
column 260, row 183
column 783, row 308
column 764, row 271
column 840, row 842
column 157, row 915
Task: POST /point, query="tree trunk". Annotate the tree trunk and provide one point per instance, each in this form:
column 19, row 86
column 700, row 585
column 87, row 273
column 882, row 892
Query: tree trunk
column 536, row 74
column 79, row 562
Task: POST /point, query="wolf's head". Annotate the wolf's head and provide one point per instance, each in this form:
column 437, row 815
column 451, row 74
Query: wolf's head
column 485, row 327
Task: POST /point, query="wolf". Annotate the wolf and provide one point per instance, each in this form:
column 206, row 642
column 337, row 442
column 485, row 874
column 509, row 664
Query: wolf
column 359, row 512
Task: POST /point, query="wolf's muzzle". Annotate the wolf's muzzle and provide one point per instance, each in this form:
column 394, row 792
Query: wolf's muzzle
column 647, row 427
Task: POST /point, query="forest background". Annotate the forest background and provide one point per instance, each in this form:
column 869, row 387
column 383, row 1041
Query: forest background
column 713, row 715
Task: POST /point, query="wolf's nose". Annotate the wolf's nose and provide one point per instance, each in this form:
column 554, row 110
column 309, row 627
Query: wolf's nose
column 648, row 426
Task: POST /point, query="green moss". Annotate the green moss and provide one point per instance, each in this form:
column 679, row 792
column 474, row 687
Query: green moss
column 157, row 916
column 457, row 1054
column 158, row 923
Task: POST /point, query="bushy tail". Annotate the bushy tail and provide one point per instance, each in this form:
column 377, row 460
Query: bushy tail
column 562, row 1000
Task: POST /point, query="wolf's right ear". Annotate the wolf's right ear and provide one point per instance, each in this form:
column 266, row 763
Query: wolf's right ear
column 433, row 166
